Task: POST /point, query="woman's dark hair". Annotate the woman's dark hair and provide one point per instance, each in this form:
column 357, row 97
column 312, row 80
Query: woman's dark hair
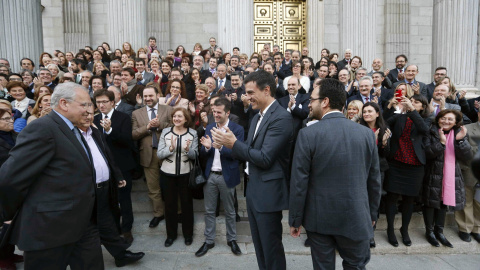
column 107, row 45
column 328, row 51
column 302, row 66
column 177, row 54
column 379, row 123
column 104, row 83
column 458, row 117
column 425, row 112
column 85, row 53
column 332, row 55
column 189, row 79
column 331, row 63
column 187, row 116
column 183, row 91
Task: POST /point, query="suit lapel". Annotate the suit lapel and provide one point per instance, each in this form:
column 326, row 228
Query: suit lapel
column 145, row 115
column 70, row 135
column 251, row 131
column 265, row 119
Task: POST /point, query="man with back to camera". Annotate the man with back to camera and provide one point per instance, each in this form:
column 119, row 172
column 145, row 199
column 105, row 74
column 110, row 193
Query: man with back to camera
column 267, row 167
column 336, row 204
column 45, row 201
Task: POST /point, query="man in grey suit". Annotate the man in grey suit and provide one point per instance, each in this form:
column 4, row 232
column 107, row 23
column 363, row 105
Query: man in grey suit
column 49, row 183
column 335, row 194
column 143, row 76
column 418, row 87
column 267, row 166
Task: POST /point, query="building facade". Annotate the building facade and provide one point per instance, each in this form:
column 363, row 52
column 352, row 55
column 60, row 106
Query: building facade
column 430, row 32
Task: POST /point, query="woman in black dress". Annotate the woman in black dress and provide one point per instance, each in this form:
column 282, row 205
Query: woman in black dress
column 406, row 162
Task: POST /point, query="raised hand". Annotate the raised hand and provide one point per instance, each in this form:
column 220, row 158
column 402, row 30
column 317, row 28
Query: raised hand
column 461, row 134
column 443, row 138
column 173, row 143
column 206, row 141
column 187, row 145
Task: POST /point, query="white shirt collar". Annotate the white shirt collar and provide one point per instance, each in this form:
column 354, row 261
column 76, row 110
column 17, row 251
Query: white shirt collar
column 109, row 114
column 118, row 103
column 266, row 109
column 154, row 107
column 312, row 122
column 226, row 124
column 330, row 113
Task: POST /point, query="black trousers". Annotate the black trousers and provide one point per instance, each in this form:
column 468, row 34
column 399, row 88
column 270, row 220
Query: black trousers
column 86, row 253
column 176, row 186
column 107, row 227
column 266, row 231
column 7, row 252
column 355, row 254
column 125, row 200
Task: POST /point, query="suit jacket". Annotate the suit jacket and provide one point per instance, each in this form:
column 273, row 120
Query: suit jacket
column 299, row 113
column 55, row 194
column 140, row 121
column 124, row 107
column 423, row 87
column 226, row 83
column 280, row 91
column 342, row 64
column 230, row 166
column 358, row 97
column 385, row 96
column 430, row 88
column 285, row 70
column 148, row 77
column 466, row 166
column 268, row 159
column 339, row 195
column 393, row 75
column 119, row 140
column 472, row 114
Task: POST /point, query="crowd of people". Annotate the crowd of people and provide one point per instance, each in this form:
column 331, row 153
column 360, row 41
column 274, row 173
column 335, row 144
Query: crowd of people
column 334, row 141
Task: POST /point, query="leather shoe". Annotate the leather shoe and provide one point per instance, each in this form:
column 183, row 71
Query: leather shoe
column 235, row 248
column 128, row 237
column 476, row 236
column 169, row 242
column 203, row 249
column 307, row 242
column 372, row 243
column 405, row 238
column 188, row 241
column 128, row 258
column 465, row 236
column 154, row 222
column 392, row 239
column 441, row 238
column 432, row 239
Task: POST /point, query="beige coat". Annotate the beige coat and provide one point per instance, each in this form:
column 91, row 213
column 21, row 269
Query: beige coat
column 473, row 131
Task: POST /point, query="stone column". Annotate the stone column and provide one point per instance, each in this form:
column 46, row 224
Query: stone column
column 358, row 29
column 158, row 23
column 235, row 25
column 455, row 28
column 20, row 31
column 77, row 24
column 397, row 15
column 127, row 22
column 315, row 28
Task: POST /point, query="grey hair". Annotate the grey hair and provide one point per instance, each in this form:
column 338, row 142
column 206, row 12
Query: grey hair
column 362, row 68
column 88, row 71
column 116, row 89
column 155, row 54
column 364, row 78
column 52, row 65
column 66, row 91
column 115, row 62
column 348, row 50
column 412, row 65
column 199, row 56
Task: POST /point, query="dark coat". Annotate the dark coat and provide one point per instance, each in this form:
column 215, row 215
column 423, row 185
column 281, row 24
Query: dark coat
column 435, row 152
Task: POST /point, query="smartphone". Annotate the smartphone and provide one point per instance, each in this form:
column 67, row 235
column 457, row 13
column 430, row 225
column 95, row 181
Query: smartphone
column 398, row 95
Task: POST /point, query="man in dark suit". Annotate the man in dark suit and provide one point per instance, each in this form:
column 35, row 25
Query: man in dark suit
column 45, row 202
column 296, row 104
column 474, row 105
column 142, row 75
column 440, row 73
column 346, row 60
column 108, row 178
column 222, row 82
column 234, row 93
column 121, row 105
column 336, row 204
column 411, row 72
column 198, row 64
column 117, row 127
column 383, row 94
column 398, row 73
column 282, row 69
column 365, row 91
column 222, row 172
column 267, row 167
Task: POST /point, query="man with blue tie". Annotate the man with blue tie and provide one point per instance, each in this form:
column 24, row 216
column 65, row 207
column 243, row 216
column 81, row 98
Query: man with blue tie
column 365, row 91
column 411, row 72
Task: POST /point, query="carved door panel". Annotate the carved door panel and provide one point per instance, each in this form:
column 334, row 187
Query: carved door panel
column 279, row 22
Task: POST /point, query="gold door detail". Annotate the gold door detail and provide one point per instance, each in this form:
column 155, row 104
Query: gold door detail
column 279, row 23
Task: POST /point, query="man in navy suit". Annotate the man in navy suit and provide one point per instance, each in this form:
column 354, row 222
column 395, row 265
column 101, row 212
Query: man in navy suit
column 117, row 127
column 296, row 104
column 398, row 73
column 222, row 172
column 440, row 73
column 411, row 72
column 383, row 94
column 365, row 91
column 267, row 167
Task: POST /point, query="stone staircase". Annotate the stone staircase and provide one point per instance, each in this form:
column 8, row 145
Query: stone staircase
column 144, row 235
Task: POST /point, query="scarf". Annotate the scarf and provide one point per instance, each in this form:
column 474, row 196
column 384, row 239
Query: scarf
column 448, row 181
column 172, row 103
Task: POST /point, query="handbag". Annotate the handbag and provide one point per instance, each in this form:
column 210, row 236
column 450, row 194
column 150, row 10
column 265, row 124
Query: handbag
column 196, row 175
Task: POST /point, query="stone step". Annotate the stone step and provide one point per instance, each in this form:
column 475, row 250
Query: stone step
column 142, row 221
column 295, row 246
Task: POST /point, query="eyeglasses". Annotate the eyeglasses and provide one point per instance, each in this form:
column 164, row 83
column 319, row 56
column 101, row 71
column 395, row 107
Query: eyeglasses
column 7, row 119
column 175, row 87
column 313, row 99
column 84, row 105
column 103, row 101
column 16, row 79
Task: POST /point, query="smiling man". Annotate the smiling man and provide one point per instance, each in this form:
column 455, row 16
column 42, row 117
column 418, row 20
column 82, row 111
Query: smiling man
column 267, row 167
